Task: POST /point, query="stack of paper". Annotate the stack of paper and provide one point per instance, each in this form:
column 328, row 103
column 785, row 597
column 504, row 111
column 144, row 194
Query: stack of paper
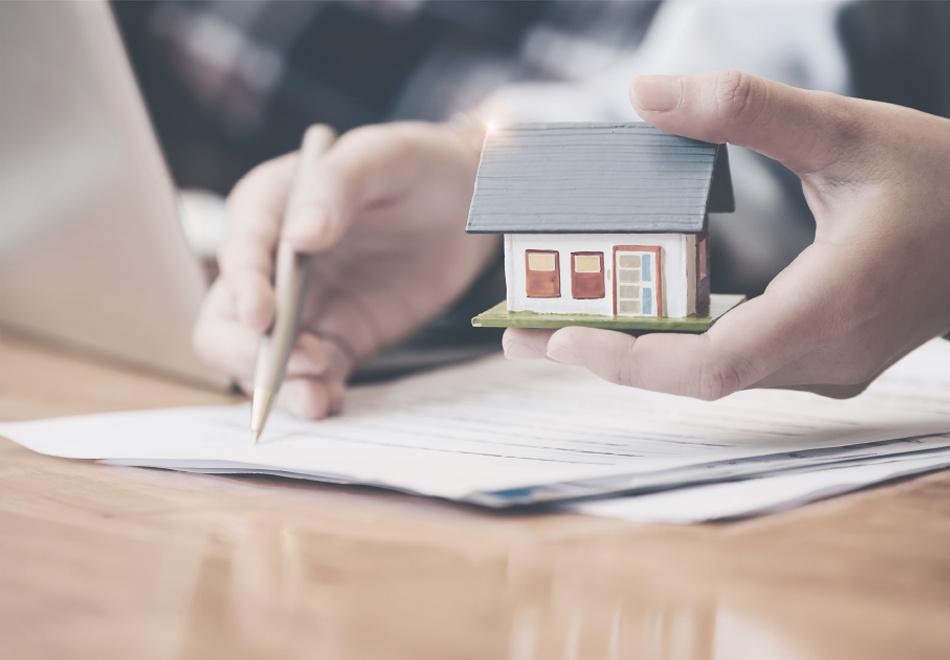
column 501, row 433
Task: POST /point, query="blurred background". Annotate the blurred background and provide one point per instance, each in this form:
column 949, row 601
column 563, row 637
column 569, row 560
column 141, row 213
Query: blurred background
column 231, row 84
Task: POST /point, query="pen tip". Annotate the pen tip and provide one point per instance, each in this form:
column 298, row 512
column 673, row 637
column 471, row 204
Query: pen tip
column 260, row 407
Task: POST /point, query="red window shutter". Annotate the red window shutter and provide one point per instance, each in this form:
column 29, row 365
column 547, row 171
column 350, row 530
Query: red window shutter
column 587, row 275
column 542, row 274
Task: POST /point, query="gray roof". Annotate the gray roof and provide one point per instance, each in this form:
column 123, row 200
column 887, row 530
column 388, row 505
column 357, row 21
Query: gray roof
column 597, row 178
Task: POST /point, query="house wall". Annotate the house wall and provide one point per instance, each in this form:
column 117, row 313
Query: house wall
column 702, row 279
column 692, row 274
column 675, row 257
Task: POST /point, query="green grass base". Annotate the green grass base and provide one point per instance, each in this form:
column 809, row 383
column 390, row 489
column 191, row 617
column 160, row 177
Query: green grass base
column 499, row 317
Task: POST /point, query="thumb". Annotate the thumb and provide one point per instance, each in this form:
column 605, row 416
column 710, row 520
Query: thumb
column 315, row 200
column 808, row 132
column 366, row 167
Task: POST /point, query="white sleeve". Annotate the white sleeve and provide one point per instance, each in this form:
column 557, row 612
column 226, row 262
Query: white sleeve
column 795, row 43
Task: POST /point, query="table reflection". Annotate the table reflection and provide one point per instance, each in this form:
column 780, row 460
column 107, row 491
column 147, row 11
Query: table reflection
column 268, row 588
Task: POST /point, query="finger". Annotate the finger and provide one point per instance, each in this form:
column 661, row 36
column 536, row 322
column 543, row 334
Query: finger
column 676, row 364
column 220, row 339
column 525, row 344
column 229, row 345
column 233, row 350
column 305, row 397
column 313, row 402
column 312, row 397
column 805, row 130
column 312, row 200
column 746, row 345
column 323, row 392
column 309, row 356
column 339, row 360
column 255, row 209
column 309, row 398
column 662, row 363
column 365, row 167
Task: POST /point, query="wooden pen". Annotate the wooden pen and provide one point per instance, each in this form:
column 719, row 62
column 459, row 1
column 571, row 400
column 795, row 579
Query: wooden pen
column 291, row 274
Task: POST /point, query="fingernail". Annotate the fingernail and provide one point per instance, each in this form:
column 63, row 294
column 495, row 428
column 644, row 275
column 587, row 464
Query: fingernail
column 657, row 93
column 562, row 352
column 517, row 350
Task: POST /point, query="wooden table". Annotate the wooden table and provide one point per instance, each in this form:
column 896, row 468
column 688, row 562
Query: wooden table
column 110, row 562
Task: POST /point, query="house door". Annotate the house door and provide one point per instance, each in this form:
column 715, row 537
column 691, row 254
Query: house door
column 637, row 287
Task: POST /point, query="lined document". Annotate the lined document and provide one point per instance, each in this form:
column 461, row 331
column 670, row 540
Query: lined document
column 501, row 433
column 764, row 494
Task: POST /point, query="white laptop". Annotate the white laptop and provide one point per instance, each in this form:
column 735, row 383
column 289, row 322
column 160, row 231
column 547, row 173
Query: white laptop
column 92, row 253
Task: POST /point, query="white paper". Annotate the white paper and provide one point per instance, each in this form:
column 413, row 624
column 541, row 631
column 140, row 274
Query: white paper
column 495, row 426
column 755, row 496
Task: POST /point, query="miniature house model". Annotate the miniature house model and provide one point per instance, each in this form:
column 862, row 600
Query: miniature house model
column 603, row 224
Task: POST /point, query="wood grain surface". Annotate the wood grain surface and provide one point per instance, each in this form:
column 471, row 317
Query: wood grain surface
column 109, row 562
